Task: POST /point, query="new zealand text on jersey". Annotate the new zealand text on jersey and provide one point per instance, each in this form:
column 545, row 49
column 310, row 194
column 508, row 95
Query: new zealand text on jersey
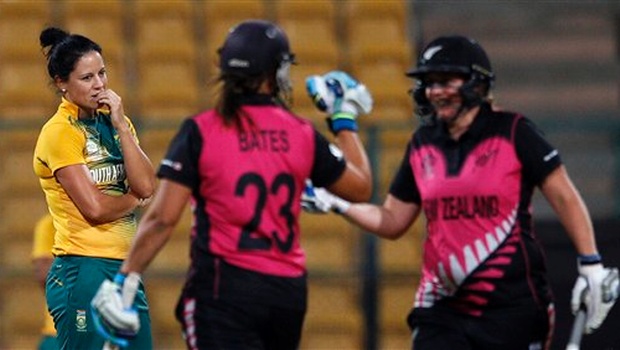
column 264, row 140
column 463, row 207
column 468, row 207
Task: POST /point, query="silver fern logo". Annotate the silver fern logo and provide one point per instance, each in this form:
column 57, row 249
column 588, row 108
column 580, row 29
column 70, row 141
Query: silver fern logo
column 430, row 52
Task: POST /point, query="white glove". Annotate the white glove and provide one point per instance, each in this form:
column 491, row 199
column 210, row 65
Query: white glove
column 596, row 289
column 114, row 317
column 318, row 200
column 309, row 201
column 341, row 96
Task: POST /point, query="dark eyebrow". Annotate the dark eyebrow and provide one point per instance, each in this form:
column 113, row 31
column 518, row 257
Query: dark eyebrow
column 85, row 75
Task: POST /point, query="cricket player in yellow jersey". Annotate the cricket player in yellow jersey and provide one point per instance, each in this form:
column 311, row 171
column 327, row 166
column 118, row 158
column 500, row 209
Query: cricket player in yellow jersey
column 42, row 257
column 94, row 175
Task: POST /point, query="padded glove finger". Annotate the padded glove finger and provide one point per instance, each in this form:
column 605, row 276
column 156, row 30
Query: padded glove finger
column 356, row 99
column 108, row 307
column 597, row 289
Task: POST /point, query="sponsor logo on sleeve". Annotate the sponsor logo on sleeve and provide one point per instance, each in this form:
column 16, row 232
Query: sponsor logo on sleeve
column 172, row 164
column 335, row 151
column 551, row 155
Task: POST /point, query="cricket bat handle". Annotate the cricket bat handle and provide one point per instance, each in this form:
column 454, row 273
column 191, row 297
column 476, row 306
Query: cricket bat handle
column 574, row 341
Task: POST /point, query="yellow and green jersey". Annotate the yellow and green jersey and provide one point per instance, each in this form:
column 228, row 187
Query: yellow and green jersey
column 43, row 241
column 66, row 140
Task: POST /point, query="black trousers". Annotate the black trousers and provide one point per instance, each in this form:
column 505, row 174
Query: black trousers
column 523, row 327
column 209, row 323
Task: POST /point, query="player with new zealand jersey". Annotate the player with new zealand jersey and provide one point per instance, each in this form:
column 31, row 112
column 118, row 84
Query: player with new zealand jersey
column 472, row 170
column 243, row 166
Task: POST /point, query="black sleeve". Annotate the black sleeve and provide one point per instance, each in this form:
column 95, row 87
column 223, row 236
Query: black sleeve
column 538, row 157
column 181, row 161
column 329, row 163
column 403, row 185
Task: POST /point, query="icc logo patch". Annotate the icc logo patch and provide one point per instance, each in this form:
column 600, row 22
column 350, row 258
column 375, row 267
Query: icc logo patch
column 80, row 320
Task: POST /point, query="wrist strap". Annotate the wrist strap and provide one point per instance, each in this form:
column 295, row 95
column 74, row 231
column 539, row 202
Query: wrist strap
column 589, row 259
column 341, row 121
column 341, row 206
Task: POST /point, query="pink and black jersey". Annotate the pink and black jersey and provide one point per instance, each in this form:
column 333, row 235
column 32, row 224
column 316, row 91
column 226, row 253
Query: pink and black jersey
column 476, row 195
column 246, row 192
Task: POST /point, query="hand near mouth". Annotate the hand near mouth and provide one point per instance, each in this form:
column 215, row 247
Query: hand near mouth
column 113, row 102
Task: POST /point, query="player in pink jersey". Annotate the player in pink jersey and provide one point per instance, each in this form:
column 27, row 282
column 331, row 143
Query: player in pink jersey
column 472, row 170
column 243, row 166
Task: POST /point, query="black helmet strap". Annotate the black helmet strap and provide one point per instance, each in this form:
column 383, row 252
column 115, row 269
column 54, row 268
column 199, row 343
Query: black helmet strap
column 471, row 97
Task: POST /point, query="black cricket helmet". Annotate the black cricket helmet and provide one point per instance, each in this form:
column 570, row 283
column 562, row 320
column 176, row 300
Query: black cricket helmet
column 455, row 54
column 255, row 47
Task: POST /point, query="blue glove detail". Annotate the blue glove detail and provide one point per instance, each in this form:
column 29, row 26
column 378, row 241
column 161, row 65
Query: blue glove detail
column 309, row 201
column 120, row 278
column 114, row 317
column 589, row 259
column 341, row 96
column 315, row 94
column 340, row 78
column 108, row 332
column 318, row 200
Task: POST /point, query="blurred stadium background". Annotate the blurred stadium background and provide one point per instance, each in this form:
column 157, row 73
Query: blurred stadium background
column 556, row 61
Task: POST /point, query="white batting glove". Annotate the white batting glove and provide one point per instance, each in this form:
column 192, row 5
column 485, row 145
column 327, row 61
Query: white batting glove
column 318, row 200
column 596, row 289
column 114, row 321
column 309, row 201
column 341, row 96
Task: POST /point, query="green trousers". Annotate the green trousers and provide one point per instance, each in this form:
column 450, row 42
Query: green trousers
column 48, row 342
column 70, row 286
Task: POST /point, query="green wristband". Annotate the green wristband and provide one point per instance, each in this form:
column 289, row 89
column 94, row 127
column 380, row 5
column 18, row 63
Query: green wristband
column 342, row 121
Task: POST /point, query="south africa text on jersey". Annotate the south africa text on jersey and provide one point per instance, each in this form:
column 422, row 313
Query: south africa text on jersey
column 108, row 174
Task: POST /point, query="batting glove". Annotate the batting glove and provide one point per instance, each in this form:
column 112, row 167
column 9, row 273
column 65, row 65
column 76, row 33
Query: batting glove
column 341, row 96
column 114, row 321
column 596, row 290
column 310, row 202
column 318, row 200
